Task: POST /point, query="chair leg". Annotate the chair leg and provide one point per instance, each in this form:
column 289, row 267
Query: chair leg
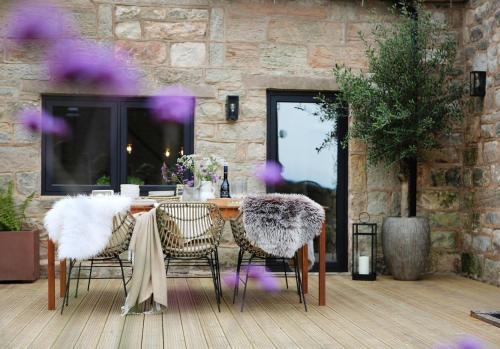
column 78, row 279
column 284, row 269
column 245, row 284
column 217, row 271
column 68, row 280
column 238, row 268
column 214, row 279
column 299, row 281
column 123, row 275
column 168, row 264
column 90, row 273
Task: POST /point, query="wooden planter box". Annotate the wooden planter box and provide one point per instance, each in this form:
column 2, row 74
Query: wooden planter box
column 19, row 256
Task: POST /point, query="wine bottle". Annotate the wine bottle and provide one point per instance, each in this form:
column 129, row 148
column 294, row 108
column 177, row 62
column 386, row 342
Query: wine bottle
column 224, row 188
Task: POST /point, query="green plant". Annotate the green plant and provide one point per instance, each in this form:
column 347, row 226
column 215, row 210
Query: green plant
column 103, row 180
column 409, row 97
column 12, row 216
column 134, row 180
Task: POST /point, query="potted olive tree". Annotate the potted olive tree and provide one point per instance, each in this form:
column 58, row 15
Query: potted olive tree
column 409, row 97
column 19, row 248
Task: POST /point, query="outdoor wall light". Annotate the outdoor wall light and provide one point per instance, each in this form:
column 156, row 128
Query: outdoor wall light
column 232, row 108
column 478, row 83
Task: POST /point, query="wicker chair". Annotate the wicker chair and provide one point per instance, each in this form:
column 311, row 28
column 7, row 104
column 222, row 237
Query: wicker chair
column 247, row 247
column 123, row 226
column 190, row 235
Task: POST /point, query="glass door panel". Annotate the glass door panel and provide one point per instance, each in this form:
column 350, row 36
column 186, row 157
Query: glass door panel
column 298, row 132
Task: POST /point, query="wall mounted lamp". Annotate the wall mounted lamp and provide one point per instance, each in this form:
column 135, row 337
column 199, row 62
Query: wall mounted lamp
column 232, row 108
column 478, row 83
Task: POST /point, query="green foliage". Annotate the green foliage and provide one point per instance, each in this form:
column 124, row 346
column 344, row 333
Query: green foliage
column 12, row 216
column 103, row 180
column 134, row 180
column 410, row 95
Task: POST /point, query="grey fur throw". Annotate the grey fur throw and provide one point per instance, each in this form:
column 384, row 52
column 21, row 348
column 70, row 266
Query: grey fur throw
column 280, row 224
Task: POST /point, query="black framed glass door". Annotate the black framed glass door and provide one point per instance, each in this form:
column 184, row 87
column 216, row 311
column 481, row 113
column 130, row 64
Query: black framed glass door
column 294, row 132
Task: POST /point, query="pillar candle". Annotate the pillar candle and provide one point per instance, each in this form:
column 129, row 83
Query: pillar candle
column 364, row 265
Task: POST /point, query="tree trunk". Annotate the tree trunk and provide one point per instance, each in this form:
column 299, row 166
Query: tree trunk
column 404, row 196
column 412, row 187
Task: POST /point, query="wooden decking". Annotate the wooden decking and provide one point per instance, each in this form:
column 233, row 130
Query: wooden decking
column 380, row 314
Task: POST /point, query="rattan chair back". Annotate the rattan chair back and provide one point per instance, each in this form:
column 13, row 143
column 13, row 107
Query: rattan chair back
column 189, row 229
column 241, row 239
column 123, row 226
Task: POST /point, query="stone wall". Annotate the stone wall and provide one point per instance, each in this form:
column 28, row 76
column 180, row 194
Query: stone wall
column 217, row 48
column 480, row 242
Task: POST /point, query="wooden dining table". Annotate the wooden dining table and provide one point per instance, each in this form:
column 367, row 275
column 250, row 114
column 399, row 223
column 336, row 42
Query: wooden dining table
column 229, row 209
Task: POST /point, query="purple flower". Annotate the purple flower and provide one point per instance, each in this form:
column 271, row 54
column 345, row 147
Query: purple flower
column 230, row 279
column 37, row 20
column 469, row 342
column 265, row 279
column 90, row 65
column 174, row 104
column 190, row 183
column 270, row 173
column 43, row 122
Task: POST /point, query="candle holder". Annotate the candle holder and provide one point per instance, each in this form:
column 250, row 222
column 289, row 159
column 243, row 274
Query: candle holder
column 364, row 245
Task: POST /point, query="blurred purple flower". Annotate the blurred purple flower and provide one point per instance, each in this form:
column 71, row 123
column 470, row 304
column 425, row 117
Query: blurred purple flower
column 87, row 64
column 469, row 342
column 37, row 20
column 270, row 173
column 43, row 122
column 174, row 104
column 190, row 183
column 230, row 279
column 266, row 280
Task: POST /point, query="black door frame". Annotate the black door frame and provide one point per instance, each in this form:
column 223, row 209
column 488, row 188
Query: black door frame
column 275, row 96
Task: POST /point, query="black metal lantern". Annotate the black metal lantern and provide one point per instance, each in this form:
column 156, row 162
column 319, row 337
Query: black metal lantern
column 478, row 83
column 232, row 108
column 364, row 249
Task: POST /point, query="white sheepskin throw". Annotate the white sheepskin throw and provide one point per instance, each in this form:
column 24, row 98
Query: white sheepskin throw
column 280, row 224
column 82, row 225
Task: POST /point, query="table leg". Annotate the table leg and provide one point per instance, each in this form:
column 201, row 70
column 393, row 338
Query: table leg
column 62, row 277
column 305, row 268
column 51, row 275
column 322, row 265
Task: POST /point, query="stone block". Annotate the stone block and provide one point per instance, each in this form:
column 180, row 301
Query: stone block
column 178, row 76
column 495, row 174
column 496, row 239
column 377, row 202
column 470, row 156
column 86, row 21
column 229, row 151
column 481, row 243
column 491, row 151
column 256, row 152
column 204, row 131
column 283, row 55
column 476, row 34
column 175, row 30
column 128, row 30
column 357, row 173
column 145, row 52
column 5, row 132
column 153, row 13
column 492, row 271
column 497, row 129
column 445, row 220
column 188, row 54
column 480, row 62
column 488, row 198
column 249, row 29
column 253, row 107
column 5, row 179
column 217, row 53
column 492, row 218
column 217, row 24
column 381, row 177
column 212, row 110
column 446, row 177
column 225, row 77
column 443, row 239
column 487, row 131
column 242, row 54
column 292, row 30
column 23, row 135
column 183, row 14
column 105, row 20
column 28, row 182
column 125, row 13
column 14, row 72
column 437, row 200
column 321, row 57
column 480, row 177
column 19, row 158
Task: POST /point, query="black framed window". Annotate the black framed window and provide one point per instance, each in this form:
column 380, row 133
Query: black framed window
column 113, row 141
column 293, row 134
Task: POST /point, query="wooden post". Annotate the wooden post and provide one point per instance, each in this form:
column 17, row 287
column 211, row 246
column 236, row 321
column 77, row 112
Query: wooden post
column 322, row 265
column 305, row 268
column 62, row 277
column 51, row 276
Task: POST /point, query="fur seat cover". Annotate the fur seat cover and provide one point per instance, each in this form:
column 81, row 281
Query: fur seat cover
column 82, row 225
column 281, row 223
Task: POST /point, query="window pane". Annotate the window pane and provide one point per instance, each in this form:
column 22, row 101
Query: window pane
column 149, row 145
column 306, row 171
column 84, row 158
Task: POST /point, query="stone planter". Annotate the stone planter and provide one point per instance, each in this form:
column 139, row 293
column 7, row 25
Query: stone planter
column 19, row 255
column 406, row 243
